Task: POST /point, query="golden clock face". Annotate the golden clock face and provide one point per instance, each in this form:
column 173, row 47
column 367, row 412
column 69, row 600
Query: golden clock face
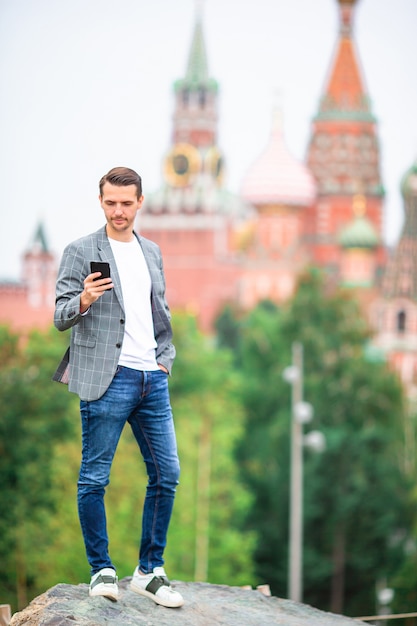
column 213, row 163
column 181, row 164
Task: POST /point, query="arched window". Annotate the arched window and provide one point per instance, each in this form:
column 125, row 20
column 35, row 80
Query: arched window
column 185, row 97
column 401, row 321
column 202, row 97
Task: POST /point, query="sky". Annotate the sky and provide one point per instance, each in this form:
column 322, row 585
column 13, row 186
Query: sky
column 87, row 85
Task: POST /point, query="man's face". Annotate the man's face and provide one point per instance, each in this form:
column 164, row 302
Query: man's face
column 120, row 205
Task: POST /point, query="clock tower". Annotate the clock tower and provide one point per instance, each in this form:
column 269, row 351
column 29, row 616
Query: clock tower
column 194, row 137
column 195, row 118
column 192, row 216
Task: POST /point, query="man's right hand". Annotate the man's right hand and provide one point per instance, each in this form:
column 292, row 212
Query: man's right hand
column 94, row 287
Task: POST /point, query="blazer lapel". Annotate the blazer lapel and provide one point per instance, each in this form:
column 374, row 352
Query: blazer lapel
column 150, row 261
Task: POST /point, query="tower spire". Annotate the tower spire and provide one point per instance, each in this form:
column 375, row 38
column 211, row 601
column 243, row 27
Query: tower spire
column 343, row 153
column 199, row 5
column 345, row 91
column 195, row 116
column 197, row 66
column 39, row 270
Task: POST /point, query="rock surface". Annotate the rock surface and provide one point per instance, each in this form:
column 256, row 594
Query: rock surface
column 205, row 605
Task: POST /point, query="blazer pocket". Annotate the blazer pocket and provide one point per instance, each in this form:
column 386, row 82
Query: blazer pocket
column 85, row 341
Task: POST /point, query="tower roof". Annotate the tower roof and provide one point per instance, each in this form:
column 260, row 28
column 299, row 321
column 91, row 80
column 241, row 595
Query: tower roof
column 276, row 177
column 197, row 74
column 39, row 241
column 343, row 152
column 345, row 95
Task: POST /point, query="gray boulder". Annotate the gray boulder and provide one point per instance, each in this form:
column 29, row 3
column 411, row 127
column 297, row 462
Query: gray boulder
column 205, row 605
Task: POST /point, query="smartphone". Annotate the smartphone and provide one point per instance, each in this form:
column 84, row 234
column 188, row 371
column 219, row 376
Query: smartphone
column 100, row 266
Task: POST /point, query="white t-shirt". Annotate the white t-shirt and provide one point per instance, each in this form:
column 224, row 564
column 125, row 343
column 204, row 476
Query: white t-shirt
column 139, row 345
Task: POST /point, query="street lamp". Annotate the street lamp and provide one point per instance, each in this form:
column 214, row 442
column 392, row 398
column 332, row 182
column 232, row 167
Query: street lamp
column 302, row 413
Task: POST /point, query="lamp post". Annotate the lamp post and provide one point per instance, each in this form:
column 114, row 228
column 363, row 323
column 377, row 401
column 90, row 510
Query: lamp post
column 302, row 413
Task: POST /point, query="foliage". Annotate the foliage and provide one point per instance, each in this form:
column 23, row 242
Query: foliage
column 205, row 542
column 227, row 328
column 34, row 415
column 356, row 498
column 404, row 581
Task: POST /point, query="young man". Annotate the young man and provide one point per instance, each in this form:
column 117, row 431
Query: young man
column 120, row 357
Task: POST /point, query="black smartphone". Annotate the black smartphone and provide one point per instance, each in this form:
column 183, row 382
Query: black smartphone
column 100, row 266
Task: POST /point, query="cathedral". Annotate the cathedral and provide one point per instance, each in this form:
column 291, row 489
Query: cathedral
column 325, row 212
column 222, row 248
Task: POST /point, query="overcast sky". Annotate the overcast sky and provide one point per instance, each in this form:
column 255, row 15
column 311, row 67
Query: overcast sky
column 87, row 85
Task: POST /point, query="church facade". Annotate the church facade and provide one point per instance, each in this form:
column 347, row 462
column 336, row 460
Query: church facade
column 326, row 212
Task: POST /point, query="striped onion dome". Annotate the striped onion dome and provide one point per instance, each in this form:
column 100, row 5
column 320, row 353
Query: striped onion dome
column 409, row 181
column 360, row 233
column 276, row 177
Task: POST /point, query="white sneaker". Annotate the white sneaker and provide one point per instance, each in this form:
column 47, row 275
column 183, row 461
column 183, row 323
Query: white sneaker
column 104, row 583
column 157, row 587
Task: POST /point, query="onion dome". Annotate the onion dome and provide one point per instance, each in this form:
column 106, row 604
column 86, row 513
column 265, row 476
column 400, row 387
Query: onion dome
column 360, row 232
column 277, row 177
column 401, row 274
column 409, row 182
column 409, row 192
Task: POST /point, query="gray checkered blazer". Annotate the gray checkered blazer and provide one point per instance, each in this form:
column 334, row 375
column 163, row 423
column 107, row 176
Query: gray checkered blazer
column 96, row 338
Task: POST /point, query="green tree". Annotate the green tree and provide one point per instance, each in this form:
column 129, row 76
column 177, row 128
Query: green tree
column 33, row 417
column 356, row 497
column 360, row 408
column 263, row 452
column 206, row 542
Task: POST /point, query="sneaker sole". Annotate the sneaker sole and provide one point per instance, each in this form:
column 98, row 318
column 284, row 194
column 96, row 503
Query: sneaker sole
column 111, row 594
column 152, row 596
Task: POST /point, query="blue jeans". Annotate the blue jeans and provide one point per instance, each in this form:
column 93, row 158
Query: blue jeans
column 142, row 399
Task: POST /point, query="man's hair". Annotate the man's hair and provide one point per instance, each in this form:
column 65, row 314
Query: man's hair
column 122, row 177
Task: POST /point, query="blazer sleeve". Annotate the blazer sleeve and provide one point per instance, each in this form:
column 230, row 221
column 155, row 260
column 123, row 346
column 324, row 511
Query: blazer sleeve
column 69, row 286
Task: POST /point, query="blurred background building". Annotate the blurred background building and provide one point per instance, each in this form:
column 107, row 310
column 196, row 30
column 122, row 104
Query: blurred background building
column 30, row 303
column 221, row 248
